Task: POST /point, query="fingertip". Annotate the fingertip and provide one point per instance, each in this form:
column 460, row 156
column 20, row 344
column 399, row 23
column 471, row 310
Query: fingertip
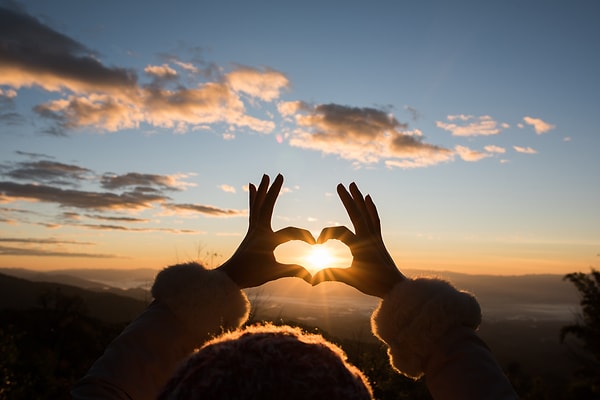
column 323, row 236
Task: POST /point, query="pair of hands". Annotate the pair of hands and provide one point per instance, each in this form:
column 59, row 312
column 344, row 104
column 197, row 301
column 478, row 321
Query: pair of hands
column 372, row 270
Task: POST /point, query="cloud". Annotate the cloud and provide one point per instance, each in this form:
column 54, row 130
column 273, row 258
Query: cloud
column 91, row 94
column 469, row 125
column 495, row 149
column 49, row 172
column 43, row 241
column 107, row 227
column 524, row 150
column 189, row 67
column 161, row 71
column 265, row 85
column 468, row 154
column 8, row 93
column 131, row 200
column 148, row 181
column 118, row 219
column 34, row 54
column 7, row 114
column 32, row 155
column 414, row 113
column 289, row 108
column 539, row 126
column 206, row 209
column 227, row 188
column 365, row 135
column 35, row 252
column 122, row 193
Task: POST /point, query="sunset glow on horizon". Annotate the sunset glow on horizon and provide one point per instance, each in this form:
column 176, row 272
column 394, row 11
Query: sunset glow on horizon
column 130, row 142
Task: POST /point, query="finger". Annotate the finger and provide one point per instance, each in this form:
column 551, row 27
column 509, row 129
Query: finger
column 373, row 215
column 252, row 196
column 332, row 275
column 260, row 194
column 359, row 201
column 340, row 233
column 270, row 198
column 291, row 271
column 293, row 233
column 351, row 208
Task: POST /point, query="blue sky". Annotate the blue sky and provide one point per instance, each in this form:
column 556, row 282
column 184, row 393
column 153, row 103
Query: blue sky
column 130, row 130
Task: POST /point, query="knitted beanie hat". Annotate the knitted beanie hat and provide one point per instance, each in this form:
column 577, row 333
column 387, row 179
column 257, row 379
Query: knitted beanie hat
column 268, row 362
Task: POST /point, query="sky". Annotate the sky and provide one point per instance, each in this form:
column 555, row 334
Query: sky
column 130, row 130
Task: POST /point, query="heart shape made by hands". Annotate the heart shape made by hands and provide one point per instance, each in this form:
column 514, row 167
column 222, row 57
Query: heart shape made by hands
column 316, row 257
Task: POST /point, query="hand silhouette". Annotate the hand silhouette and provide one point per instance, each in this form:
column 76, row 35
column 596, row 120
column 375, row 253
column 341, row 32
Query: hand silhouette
column 372, row 270
column 253, row 263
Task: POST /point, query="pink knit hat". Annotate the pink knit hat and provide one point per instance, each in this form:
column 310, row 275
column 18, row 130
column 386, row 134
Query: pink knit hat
column 268, row 362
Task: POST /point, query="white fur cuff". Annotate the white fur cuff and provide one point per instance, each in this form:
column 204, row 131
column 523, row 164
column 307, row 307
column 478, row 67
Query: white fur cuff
column 415, row 314
column 207, row 301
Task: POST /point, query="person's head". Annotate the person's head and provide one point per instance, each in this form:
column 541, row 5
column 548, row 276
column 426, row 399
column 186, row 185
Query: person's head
column 268, row 362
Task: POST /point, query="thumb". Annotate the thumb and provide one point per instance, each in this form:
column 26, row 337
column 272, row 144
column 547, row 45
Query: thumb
column 332, row 274
column 291, row 271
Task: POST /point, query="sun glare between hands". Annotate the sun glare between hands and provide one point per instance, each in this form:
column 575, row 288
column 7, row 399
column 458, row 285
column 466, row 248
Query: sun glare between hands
column 314, row 257
column 318, row 258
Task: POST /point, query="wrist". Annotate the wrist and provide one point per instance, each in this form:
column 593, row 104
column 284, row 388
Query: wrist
column 229, row 269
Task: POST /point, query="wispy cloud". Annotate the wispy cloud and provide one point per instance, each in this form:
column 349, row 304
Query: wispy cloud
column 264, row 84
column 495, row 149
column 24, row 251
column 136, row 199
column 470, row 155
column 525, row 150
column 469, row 125
column 48, row 172
column 43, row 241
column 139, row 180
column 91, row 94
column 365, row 135
column 205, row 209
column 51, row 182
column 227, row 188
column 539, row 126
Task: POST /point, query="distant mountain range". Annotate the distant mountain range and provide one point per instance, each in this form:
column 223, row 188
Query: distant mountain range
column 108, row 304
column 522, row 314
column 502, row 297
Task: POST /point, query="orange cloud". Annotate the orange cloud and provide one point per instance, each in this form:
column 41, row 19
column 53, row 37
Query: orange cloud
column 539, row 126
column 227, row 188
column 264, row 85
column 524, row 150
column 468, row 154
column 469, row 125
column 365, row 135
column 161, row 71
column 205, row 209
column 111, row 98
column 495, row 149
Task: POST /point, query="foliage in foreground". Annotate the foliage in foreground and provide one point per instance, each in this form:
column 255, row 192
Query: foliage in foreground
column 587, row 330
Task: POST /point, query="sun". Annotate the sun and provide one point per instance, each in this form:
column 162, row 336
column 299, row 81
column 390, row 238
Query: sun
column 318, row 258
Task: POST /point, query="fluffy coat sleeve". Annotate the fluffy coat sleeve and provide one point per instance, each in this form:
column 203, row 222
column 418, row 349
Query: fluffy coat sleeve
column 429, row 328
column 191, row 305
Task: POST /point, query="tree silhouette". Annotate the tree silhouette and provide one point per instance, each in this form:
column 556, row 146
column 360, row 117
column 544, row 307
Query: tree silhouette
column 587, row 329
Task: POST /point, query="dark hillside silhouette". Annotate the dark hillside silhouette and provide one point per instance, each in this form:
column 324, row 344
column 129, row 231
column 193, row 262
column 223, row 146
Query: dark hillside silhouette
column 50, row 333
column 21, row 294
